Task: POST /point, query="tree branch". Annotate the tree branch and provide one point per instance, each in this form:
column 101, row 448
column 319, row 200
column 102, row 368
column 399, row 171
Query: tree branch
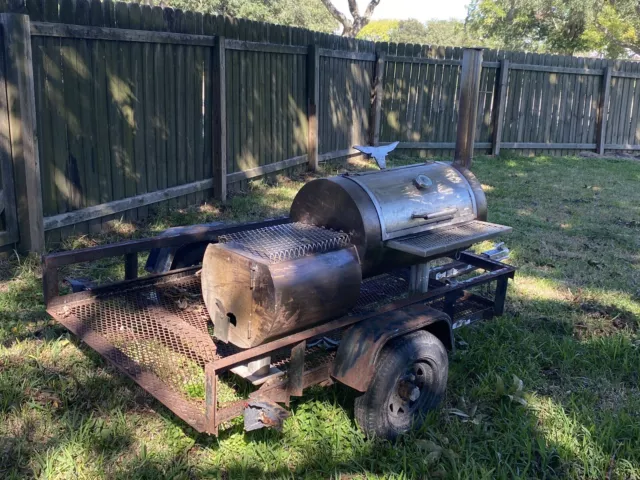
column 352, row 27
column 353, row 8
column 338, row 15
column 370, row 8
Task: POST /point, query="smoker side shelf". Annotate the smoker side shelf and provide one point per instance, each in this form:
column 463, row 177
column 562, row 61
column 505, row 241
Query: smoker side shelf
column 438, row 242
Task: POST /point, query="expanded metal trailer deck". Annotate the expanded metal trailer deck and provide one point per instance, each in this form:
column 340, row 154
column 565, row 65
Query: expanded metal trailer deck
column 157, row 331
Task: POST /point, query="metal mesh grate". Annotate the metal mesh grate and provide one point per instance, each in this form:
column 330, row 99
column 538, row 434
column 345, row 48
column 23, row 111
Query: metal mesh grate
column 288, row 241
column 381, row 289
column 446, row 240
column 163, row 329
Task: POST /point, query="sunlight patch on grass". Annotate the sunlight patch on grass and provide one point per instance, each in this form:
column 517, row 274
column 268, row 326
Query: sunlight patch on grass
column 534, row 288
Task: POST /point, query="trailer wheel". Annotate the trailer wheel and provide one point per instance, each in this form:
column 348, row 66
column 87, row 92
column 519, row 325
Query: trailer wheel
column 410, row 379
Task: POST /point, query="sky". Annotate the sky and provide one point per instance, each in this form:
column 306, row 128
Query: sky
column 419, row 9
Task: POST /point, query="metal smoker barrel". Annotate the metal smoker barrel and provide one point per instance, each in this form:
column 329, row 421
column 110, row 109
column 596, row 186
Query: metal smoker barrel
column 379, row 206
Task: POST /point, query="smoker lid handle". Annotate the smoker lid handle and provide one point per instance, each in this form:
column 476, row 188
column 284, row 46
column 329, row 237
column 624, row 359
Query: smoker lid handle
column 447, row 212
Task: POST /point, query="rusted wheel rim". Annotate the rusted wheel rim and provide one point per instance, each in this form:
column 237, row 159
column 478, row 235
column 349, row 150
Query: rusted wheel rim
column 410, row 392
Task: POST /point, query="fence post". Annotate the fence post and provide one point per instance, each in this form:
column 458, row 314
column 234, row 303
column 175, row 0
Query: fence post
column 219, row 122
column 602, row 110
column 313, row 80
column 16, row 32
column 468, row 107
column 376, row 104
column 499, row 106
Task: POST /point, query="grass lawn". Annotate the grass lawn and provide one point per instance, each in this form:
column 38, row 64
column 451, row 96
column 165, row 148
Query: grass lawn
column 548, row 390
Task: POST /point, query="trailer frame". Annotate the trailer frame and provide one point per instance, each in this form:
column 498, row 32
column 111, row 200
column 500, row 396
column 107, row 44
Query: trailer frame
column 302, row 361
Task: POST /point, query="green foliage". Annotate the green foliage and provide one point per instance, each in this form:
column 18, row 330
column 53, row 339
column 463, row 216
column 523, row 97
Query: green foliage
column 409, row 31
column 450, row 33
column 311, row 14
column 615, row 29
column 559, row 26
column 378, row 30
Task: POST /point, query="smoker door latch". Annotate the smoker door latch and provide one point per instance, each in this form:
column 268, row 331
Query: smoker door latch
column 253, row 271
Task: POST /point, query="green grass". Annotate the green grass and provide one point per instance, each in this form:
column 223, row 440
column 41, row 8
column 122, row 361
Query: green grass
column 569, row 334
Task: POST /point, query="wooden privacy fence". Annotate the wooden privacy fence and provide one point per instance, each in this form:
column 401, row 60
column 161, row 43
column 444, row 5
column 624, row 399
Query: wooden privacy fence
column 107, row 108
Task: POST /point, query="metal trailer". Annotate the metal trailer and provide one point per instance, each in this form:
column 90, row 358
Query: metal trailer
column 156, row 329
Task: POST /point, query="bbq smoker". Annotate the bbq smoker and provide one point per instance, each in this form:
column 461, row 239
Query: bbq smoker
column 363, row 284
column 259, row 285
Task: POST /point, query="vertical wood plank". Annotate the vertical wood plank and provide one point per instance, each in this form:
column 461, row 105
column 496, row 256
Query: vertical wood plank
column 197, row 81
column 596, row 85
column 114, row 112
column 440, row 95
column 452, row 96
column 562, row 103
column 22, row 125
column 179, row 106
column 525, row 101
column 219, row 120
column 603, row 110
column 102, row 150
column 11, row 226
column 261, row 123
column 423, row 90
column 549, row 108
column 412, row 92
column 85, row 72
column 577, row 105
column 632, row 135
column 148, row 97
column 73, row 171
column 137, row 85
column 210, row 28
column 269, row 99
column 583, row 134
column 233, row 110
column 125, row 100
column 570, row 99
column 313, row 89
column 499, row 106
column 189, row 72
column 160, row 111
column 430, row 100
column 43, row 123
column 625, row 110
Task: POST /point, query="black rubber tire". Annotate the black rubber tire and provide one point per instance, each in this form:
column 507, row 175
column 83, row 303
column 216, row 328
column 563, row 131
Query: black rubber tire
column 374, row 409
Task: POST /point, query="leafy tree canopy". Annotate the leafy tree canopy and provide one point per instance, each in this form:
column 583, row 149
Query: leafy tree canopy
column 311, row 14
column 559, row 26
column 378, row 30
column 434, row 32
